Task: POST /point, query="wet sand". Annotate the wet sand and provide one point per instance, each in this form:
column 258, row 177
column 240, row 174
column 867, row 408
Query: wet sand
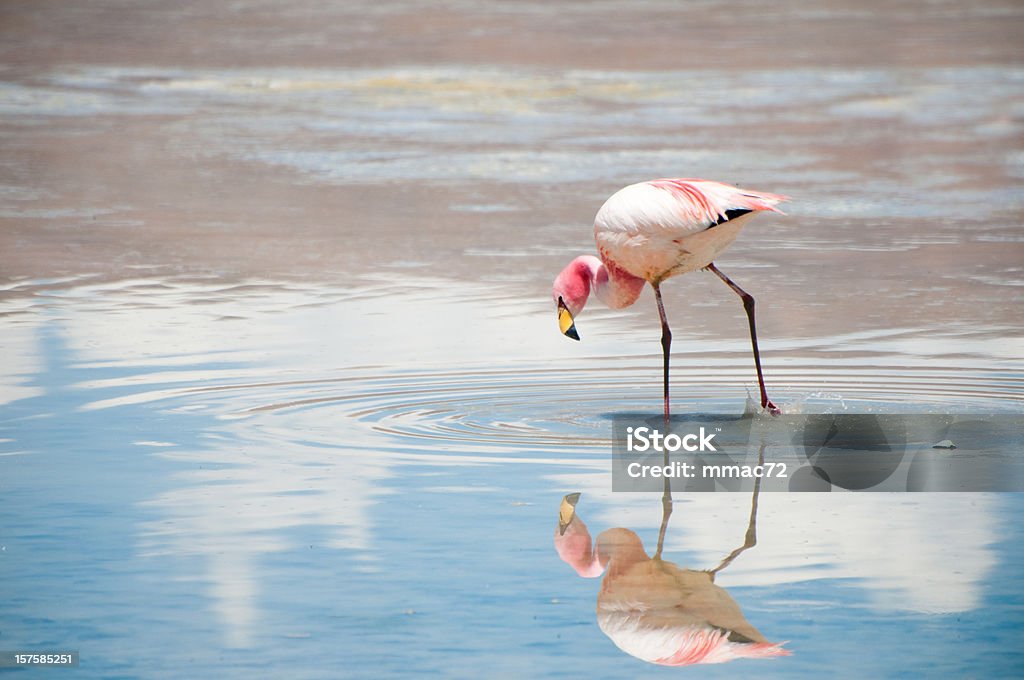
column 202, row 140
column 601, row 35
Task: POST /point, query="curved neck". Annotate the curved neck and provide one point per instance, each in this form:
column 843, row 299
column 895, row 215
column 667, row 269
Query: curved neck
column 613, row 286
column 622, row 548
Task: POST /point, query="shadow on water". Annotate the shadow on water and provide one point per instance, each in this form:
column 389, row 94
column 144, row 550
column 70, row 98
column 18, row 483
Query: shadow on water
column 653, row 609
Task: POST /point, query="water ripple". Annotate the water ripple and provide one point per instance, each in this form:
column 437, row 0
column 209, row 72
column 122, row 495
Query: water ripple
column 530, row 409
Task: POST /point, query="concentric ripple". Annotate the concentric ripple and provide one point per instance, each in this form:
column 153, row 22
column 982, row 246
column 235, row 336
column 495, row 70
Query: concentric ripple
column 259, row 362
column 533, row 408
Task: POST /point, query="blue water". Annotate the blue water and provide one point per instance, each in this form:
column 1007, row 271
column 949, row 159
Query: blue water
column 234, row 504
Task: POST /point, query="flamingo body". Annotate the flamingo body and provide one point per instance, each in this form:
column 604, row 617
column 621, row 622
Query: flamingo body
column 654, row 230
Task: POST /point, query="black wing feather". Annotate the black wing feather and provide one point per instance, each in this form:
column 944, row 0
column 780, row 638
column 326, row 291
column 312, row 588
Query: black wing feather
column 730, row 215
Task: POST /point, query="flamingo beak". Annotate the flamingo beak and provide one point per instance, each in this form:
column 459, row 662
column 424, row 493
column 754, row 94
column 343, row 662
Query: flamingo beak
column 567, row 512
column 565, row 321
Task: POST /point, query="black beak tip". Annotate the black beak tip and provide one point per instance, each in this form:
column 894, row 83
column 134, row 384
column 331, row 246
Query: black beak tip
column 571, row 333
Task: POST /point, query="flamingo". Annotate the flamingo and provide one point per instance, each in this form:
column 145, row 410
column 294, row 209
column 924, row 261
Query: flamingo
column 651, row 231
column 652, row 608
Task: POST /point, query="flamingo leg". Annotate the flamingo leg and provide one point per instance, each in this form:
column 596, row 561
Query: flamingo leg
column 750, row 539
column 666, row 512
column 666, row 344
column 748, row 305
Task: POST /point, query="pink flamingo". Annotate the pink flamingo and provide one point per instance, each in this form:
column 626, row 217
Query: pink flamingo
column 654, row 230
column 651, row 608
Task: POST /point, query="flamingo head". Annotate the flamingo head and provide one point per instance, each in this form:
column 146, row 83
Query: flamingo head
column 570, row 292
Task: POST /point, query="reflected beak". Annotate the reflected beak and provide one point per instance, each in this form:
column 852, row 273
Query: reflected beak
column 565, row 321
column 567, row 512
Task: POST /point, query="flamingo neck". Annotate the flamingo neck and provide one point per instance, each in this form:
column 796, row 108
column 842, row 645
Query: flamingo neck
column 619, row 549
column 575, row 548
column 613, row 286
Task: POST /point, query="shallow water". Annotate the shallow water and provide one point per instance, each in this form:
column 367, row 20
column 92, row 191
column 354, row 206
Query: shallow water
column 281, row 392
column 196, row 475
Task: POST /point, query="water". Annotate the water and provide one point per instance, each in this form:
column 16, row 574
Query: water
column 282, row 391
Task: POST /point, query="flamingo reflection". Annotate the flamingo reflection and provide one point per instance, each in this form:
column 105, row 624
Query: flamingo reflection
column 653, row 609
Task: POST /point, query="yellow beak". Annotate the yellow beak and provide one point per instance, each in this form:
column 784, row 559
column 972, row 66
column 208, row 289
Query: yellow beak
column 565, row 321
column 567, row 512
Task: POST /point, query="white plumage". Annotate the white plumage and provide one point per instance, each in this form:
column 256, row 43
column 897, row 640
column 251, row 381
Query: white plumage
column 662, row 228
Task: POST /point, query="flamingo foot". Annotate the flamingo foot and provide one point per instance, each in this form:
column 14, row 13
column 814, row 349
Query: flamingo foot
column 771, row 408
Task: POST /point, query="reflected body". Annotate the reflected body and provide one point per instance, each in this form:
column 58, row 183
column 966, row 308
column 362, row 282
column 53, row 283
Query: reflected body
column 651, row 231
column 651, row 608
